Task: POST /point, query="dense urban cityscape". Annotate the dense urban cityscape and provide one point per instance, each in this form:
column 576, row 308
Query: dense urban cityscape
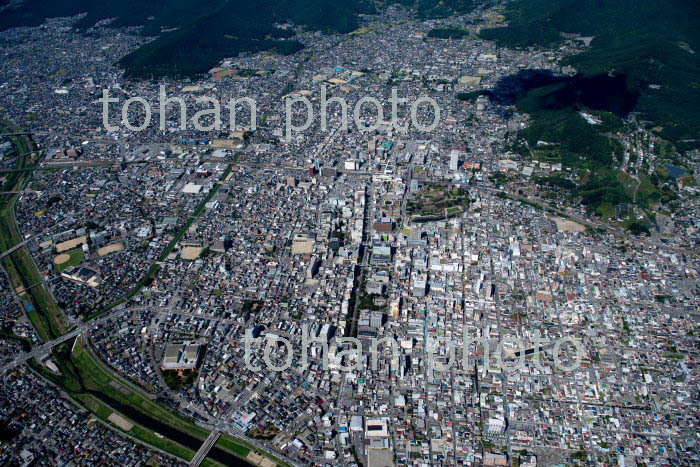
column 154, row 280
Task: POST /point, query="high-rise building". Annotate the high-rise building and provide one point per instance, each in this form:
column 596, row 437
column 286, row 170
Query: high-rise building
column 454, row 160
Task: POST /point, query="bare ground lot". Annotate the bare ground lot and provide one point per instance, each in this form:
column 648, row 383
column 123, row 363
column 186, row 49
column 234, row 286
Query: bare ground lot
column 111, row 248
column 191, row 252
column 70, row 244
column 567, row 225
column 120, row 421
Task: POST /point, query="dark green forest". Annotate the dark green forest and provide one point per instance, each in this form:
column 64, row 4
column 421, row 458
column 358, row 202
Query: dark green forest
column 432, row 9
column 656, row 45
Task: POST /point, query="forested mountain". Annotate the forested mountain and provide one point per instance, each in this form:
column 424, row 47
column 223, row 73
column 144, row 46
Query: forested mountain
column 655, row 45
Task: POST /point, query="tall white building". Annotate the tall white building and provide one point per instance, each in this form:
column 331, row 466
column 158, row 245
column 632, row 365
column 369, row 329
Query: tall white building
column 454, row 160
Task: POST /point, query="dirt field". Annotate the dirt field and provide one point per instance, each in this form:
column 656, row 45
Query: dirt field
column 191, row 252
column 111, row 248
column 257, row 459
column 121, row 422
column 60, row 259
column 70, row 244
column 567, row 225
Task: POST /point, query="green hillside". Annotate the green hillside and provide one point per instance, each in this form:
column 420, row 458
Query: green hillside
column 430, row 9
column 193, row 36
column 162, row 13
column 654, row 44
